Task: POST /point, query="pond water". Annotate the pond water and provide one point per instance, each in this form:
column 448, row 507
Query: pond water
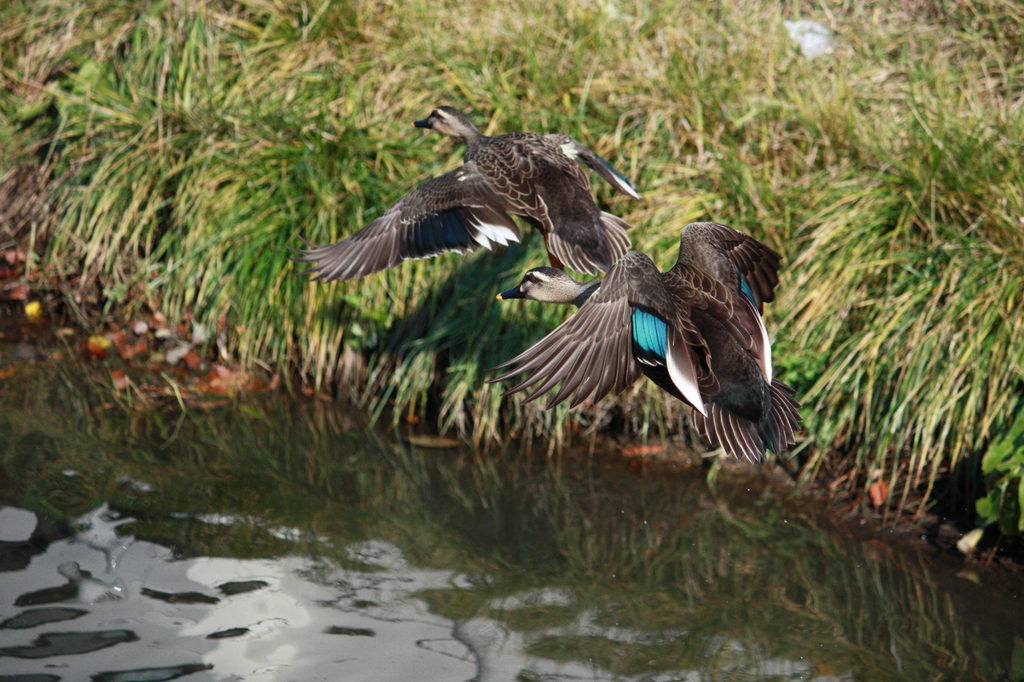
column 278, row 540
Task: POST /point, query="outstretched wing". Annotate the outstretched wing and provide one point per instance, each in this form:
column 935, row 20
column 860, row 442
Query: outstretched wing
column 456, row 212
column 584, row 248
column 693, row 288
column 582, row 154
column 728, row 254
column 627, row 322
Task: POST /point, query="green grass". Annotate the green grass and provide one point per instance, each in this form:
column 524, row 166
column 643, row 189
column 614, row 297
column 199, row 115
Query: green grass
column 191, row 142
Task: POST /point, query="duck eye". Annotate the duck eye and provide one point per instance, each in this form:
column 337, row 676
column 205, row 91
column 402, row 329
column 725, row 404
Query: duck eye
column 531, row 278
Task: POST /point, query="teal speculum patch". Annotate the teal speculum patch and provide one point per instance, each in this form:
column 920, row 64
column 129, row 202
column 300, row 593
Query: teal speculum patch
column 745, row 288
column 650, row 333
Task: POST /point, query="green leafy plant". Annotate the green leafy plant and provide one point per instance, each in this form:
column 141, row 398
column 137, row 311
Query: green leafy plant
column 1003, row 467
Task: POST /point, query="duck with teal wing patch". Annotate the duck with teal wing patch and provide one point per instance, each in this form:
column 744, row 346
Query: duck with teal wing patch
column 695, row 331
column 536, row 177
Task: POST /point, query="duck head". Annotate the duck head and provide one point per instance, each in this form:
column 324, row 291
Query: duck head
column 551, row 285
column 449, row 121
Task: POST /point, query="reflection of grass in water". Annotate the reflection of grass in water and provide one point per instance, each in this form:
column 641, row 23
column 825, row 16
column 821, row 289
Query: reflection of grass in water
column 650, row 554
column 662, row 554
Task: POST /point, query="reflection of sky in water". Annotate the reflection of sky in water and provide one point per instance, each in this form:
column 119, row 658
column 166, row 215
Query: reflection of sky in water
column 291, row 618
column 310, row 621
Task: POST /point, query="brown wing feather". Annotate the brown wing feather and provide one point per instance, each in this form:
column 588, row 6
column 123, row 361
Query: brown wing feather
column 758, row 263
column 455, row 212
column 746, row 440
column 591, row 353
column 582, row 154
column 540, row 182
column 693, row 288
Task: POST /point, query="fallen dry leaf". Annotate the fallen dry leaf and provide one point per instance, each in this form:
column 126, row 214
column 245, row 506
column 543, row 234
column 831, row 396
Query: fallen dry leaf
column 878, row 491
column 641, row 450
column 14, row 256
column 14, row 291
column 100, row 341
column 117, row 338
column 34, row 311
column 220, row 379
column 191, row 360
column 96, row 347
column 120, row 379
column 130, row 350
column 969, row 542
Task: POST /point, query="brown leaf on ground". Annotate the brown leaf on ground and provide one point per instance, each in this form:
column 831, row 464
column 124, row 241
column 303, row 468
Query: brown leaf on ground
column 96, row 347
column 130, row 350
column 117, row 338
column 14, row 291
column 156, row 390
column 6, row 372
column 191, row 360
column 640, row 450
column 120, row 379
column 220, row 379
column 878, row 491
column 14, row 256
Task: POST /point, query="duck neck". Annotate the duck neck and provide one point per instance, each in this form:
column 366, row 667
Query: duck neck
column 469, row 134
column 585, row 291
column 472, row 145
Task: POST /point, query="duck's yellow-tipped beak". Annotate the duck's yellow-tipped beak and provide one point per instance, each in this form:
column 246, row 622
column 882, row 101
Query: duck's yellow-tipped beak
column 510, row 294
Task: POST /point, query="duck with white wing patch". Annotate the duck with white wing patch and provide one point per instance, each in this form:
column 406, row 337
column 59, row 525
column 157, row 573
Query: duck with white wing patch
column 536, row 177
column 694, row 330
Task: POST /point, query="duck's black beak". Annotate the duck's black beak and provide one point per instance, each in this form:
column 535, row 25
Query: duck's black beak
column 425, row 123
column 511, row 293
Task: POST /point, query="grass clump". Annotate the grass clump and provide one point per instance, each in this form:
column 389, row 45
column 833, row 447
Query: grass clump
column 192, row 142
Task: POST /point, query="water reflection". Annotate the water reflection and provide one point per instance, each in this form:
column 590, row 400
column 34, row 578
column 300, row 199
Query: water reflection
column 291, row 617
column 281, row 542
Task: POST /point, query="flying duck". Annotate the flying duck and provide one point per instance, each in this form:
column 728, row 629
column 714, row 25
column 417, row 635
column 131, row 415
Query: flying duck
column 694, row 330
column 536, row 177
